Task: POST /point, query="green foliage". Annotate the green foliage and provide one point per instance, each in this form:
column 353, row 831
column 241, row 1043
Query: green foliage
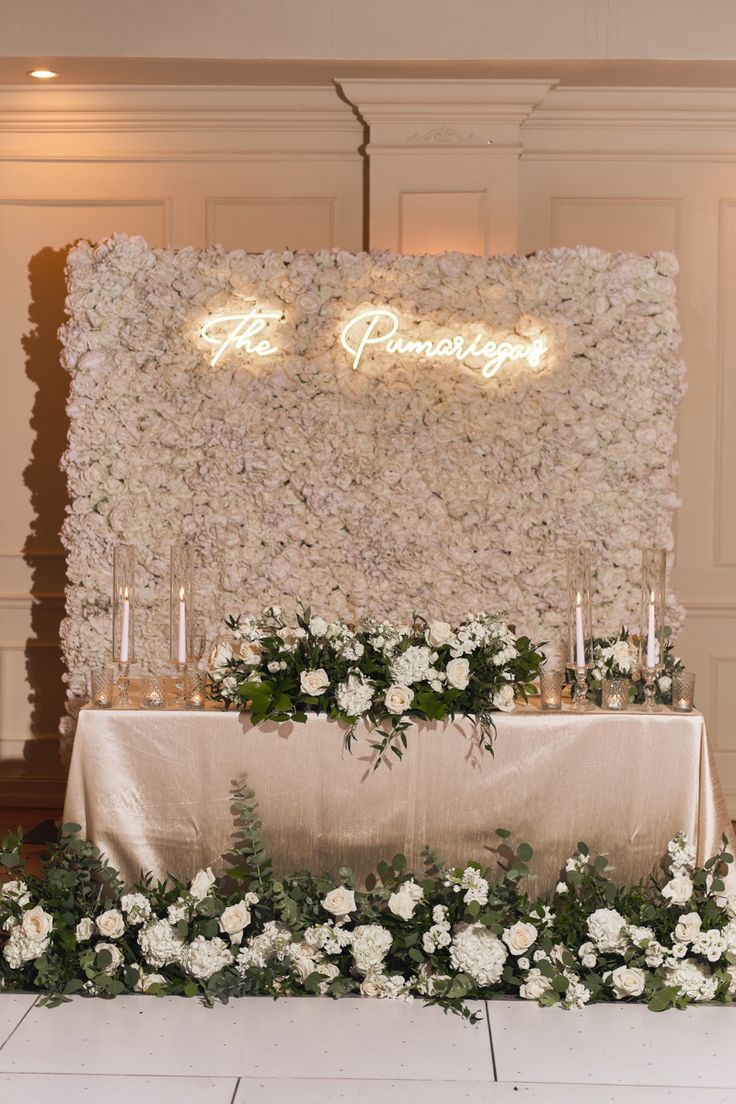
column 292, row 944
column 268, row 681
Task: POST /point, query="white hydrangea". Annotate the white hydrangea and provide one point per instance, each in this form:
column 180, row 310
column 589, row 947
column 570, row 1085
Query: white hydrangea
column 413, row 665
column 607, row 929
column 20, row 949
column 204, row 957
column 479, row 953
column 692, row 979
column 472, row 881
column 160, row 944
column 370, row 945
column 274, row 942
column 354, row 697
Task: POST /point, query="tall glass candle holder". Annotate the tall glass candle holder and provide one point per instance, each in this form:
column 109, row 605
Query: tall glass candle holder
column 580, row 621
column 123, row 616
column 651, row 634
column 181, row 610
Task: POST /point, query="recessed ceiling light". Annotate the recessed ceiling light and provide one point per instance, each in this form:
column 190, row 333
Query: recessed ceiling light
column 42, row 74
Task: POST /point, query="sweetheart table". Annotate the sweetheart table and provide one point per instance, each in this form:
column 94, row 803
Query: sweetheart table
column 151, row 789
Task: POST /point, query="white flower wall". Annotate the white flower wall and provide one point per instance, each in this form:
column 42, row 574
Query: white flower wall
column 396, row 487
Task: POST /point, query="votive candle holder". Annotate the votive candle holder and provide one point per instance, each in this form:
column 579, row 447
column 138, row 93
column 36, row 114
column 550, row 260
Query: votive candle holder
column 551, row 685
column 101, row 682
column 683, row 691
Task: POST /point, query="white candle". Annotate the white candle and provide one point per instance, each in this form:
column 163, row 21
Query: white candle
column 125, row 631
column 651, row 636
column 182, row 652
column 579, row 637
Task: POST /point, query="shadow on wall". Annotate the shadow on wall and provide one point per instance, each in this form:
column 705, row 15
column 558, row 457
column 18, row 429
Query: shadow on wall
column 42, row 550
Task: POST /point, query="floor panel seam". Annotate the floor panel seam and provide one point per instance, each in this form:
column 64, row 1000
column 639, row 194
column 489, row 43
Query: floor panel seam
column 20, row 1021
column 490, row 1040
column 235, row 1091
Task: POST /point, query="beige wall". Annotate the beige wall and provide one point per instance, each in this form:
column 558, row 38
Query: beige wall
column 485, row 166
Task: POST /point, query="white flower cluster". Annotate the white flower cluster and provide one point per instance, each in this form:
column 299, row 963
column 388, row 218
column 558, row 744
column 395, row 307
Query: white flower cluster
column 394, row 487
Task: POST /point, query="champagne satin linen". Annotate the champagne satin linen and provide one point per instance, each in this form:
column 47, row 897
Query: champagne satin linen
column 151, row 789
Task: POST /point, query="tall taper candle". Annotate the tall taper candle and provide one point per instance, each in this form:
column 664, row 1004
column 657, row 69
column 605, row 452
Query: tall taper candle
column 182, row 650
column 125, row 630
column 651, row 635
column 579, row 635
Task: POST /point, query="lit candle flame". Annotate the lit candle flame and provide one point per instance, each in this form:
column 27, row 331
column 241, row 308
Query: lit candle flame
column 579, row 599
column 181, row 594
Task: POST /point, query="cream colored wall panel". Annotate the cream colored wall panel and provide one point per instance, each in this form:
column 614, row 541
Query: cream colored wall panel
column 616, row 223
column 725, row 492
column 257, row 224
column 439, row 222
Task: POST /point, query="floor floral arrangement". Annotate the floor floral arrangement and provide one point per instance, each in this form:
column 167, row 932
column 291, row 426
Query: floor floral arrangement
column 385, row 674
column 446, row 936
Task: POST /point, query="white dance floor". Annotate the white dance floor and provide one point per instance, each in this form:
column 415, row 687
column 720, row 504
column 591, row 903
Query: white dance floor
column 313, row 1051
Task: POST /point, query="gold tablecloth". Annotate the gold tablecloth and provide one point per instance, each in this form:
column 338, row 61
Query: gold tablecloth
column 151, row 789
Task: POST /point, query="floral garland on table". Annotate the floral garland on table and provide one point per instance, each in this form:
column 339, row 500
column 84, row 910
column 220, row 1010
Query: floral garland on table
column 617, row 657
column 379, row 673
column 447, row 936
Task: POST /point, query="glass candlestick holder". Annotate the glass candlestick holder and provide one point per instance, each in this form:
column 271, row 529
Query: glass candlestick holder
column 195, row 687
column 580, row 690
column 122, row 684
column 650, row 689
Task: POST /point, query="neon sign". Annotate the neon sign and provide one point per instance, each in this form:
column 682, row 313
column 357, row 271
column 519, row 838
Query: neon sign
column 238, row 331
column 379, row 327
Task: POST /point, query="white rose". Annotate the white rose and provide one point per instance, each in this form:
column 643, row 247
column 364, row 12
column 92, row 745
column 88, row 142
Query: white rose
column 235, row 918
column 519, row 937
column 398, row 699
column 250, row 653
column 145, row 981
column 318, row 626
column 678, row 890
column 116, row 958
column 84, row 929
column 201, row 884
column 37, row 924
column 110, row 924
column 504, row 699
column 372, row 985
column 458, row 673
column 688, row 927
column 438, row 633
column 535, row 985
column 405, row 900
column 562, row 888
column 339, row 901
column 220, row 656
column 627, row 981
column 314, row 683
column 17, row 892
